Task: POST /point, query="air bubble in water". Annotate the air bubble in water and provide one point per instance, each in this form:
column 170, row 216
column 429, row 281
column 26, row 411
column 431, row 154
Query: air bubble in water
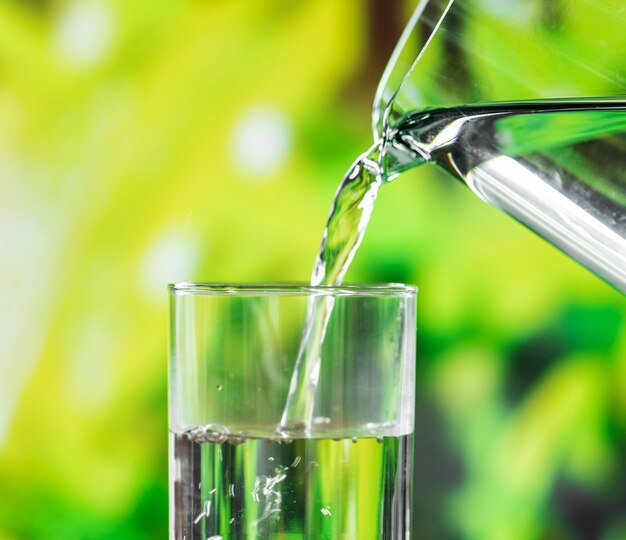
column 235, row 440
column 209, row 433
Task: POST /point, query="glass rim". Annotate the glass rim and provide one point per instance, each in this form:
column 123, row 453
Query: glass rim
column 296, row 288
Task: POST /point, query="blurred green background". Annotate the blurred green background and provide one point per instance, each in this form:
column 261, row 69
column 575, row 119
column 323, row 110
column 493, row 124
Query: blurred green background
column 147, row 142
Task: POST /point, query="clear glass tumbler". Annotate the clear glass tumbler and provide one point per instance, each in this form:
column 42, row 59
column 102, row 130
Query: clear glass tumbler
column 234, row 473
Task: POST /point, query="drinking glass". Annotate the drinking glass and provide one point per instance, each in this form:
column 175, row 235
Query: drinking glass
column 234, row 472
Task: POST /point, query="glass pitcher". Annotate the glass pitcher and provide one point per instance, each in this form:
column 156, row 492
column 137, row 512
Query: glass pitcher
column 523, row 101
